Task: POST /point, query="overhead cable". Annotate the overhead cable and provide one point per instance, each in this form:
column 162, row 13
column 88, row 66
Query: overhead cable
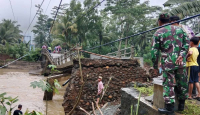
column 12, row 10
column 55, row 17
column 47, row 7
column 143, row 32
column 34, row 16
column 30, row 12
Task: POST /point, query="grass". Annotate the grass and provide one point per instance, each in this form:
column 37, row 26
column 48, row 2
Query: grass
column 191, row 108
column 145, row 90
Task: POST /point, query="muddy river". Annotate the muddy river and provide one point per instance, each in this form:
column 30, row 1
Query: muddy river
column 17, row 83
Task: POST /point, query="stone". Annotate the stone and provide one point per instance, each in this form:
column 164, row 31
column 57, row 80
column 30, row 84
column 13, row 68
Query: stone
column 149, row 98
column 121, row 76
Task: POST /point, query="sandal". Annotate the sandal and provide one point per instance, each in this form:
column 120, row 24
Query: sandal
column 189, row 98
column 198, row 98
column 194, row 97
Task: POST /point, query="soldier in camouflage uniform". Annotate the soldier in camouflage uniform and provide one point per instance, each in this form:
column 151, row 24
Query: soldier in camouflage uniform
column 172, row 43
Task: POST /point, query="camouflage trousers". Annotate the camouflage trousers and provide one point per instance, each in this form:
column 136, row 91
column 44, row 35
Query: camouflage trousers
column 171, row 79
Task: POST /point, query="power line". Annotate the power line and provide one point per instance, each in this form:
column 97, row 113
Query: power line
column 144, row 32
column 12, row 10
column 30, row 12
column 47, row 7
column 55, row 17
column 34, row 17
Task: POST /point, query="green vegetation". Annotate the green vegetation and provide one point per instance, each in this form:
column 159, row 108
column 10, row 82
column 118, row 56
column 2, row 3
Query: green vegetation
column 99, row 26
column 9, row 101
column 145, row 90
column 44, row 84
column 32, row 113
column 116, row 20
column 191, row 108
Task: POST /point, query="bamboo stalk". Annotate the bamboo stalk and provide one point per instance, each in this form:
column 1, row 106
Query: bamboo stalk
column 99, row 108
column 80, row 65
column 84, row 110
column 138, row 104
column 131, row 109
column 81, row 89
column 93, row 108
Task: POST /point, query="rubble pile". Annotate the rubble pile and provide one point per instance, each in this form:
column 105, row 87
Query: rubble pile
column 122, row 71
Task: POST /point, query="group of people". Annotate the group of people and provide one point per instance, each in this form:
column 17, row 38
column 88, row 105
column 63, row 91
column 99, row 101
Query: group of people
column 176, row 47
column 57, row 49
column 48, row 48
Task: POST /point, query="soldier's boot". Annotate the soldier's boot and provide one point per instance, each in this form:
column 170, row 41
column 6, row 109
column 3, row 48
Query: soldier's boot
column 169, row 109
column 181, row 105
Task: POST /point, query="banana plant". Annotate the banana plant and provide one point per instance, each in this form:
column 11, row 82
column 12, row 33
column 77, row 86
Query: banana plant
column 32, row 113
column 9, row 101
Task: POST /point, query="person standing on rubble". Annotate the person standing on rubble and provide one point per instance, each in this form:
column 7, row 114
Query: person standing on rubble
column 172, row 43
column 100, row 89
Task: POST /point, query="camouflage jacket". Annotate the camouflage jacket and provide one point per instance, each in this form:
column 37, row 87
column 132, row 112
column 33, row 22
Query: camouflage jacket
column 170, row 42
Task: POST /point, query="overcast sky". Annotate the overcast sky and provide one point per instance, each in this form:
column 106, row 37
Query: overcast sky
column 22, row 10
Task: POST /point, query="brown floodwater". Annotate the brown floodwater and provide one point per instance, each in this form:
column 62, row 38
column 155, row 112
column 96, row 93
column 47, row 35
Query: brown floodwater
column 17, row 83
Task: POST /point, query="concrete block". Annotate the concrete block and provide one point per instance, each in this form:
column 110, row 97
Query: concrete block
column 129, row 96
column 158, row 100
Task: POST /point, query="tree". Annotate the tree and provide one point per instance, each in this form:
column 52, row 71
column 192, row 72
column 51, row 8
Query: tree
column 185, row 9
column 9, row 32
column 175, row 2
column 129, row 17
column 66, row 28
column 41, row 30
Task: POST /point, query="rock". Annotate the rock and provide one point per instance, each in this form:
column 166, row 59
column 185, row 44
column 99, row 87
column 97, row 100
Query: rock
column 123, row 72
column 149, row 98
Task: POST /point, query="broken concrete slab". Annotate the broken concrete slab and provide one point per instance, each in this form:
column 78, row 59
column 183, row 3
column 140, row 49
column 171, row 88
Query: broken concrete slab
column 129, row 96
column 149, row 98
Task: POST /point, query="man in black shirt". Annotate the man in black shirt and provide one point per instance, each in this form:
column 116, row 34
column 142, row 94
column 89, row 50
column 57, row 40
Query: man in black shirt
column 18, row 111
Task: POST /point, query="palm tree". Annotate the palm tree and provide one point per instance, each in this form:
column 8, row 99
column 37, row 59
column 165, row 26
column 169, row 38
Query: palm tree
column 63, row 27
column 186, row 9
column 9, row 32
column 175, row 2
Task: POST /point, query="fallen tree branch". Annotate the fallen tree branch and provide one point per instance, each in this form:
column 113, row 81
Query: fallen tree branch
column 84, row 110
column 99, row 108
column 93, row 109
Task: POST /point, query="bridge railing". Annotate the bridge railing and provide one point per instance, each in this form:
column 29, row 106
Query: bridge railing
column 46, row 52
column 123, row 53
column 65, row 57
